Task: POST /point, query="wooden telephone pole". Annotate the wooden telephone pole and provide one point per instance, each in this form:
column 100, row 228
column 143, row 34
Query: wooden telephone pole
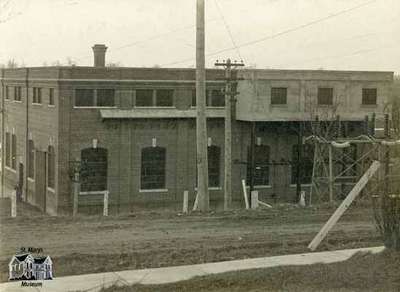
column 201, row 122
column 229, row 99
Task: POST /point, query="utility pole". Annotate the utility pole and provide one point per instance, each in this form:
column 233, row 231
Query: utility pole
column 229, row 99
column 201, row 122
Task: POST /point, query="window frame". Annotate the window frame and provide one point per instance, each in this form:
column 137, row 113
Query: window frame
column 95, row 99
column 274, row 91
column 8, row 150
column 17, row 94
column 320, row 96
column 37, row 96
column 51, row 98
column 154, row 98
column 209, row 98
column 14, row 151
column 149, row 163
column 364, row 97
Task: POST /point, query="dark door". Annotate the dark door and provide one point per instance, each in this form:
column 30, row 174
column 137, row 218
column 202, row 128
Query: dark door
column 40, row 179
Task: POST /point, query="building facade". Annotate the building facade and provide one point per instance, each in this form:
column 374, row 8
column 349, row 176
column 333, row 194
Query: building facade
column 132, row 130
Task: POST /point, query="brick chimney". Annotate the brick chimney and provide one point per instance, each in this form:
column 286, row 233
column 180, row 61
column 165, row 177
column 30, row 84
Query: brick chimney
column 99, row 52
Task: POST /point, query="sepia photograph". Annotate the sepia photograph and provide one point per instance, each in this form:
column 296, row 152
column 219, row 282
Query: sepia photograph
column 199, row 145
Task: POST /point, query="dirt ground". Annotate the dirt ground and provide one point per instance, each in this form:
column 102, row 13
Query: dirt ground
column 363, row 272
column 89, row 244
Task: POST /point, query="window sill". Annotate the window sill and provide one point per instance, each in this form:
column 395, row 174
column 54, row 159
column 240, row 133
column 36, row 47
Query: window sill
column 212, row 188
column 51, row 190
column 261, row 187
column 369, row 105
column 17, row 101
column 51, row 105
column 283, row 105
column 154, row 107
column 325, row 105
column 36, row 103
column 153, row 191
column 303, row 185
column 94, row 107
column 10, row 169
column 31, row 180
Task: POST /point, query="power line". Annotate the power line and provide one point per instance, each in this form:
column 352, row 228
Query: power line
column 296, row 28
column 228, row 30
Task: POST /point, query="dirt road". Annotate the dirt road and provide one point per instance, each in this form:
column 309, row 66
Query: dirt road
column 155, row 239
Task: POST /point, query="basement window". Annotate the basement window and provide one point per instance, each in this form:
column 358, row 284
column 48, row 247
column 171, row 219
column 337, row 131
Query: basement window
column 369, row 96
column 325, row 96
column 278, row 95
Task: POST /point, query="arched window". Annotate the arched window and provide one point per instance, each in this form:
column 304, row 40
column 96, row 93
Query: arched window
column 153, row 168
column 51, row 166
column 261, row 165
column 31, row 159
column 93, row 169
column 214, row 156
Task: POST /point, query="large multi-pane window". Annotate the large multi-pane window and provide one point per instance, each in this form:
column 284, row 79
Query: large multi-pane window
column 369, row 96
column 154, row 98
column 214, row 157
column 51, row 166
column 14, row 151
column 261, row 165
column 94, row 169
column 214, row 98
column 18, row 93
column 85, row 97
column 306, row 163
column 325, row 96
column 105, row 97
column 278, row 95
column 31, row 159
column 153, row 168
column 51, row 96
column 8, row 150
column 37, row 95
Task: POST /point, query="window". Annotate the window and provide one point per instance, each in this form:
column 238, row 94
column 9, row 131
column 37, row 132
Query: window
column 51, row 96
column 37, row 95
column 261, row 164
column 18, row 93
column 51, row 166
column 325, row 96
column 306, row 163
column 144, row 97
column 164, row 97
column 8, row 149
column 93, row 169
column 84, row 97
column 153, row 168
column 106, row 97
column 7, row 92
column 214, row 98
column 214, row 155
column 14, row 152
column 278, row 95
column 369, row 96
column 31, row 159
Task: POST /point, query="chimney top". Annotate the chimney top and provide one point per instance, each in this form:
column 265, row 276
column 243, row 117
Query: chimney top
column 99, row 52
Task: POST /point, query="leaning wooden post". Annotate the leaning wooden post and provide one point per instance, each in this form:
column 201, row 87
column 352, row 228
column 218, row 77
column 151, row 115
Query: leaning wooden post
column 246, row 198
column 185, row 202
column 345, row 205
column 105, row 207
column 14, row 204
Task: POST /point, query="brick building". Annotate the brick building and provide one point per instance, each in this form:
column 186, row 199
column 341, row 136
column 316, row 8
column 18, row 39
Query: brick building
column 133, row 129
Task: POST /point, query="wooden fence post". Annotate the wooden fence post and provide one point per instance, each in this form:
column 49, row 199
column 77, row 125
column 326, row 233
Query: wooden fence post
column 185, row 202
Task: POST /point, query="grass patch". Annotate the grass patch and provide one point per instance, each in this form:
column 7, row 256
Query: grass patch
column 363, row 272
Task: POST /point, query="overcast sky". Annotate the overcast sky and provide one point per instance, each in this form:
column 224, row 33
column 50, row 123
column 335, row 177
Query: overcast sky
column 282, row 34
